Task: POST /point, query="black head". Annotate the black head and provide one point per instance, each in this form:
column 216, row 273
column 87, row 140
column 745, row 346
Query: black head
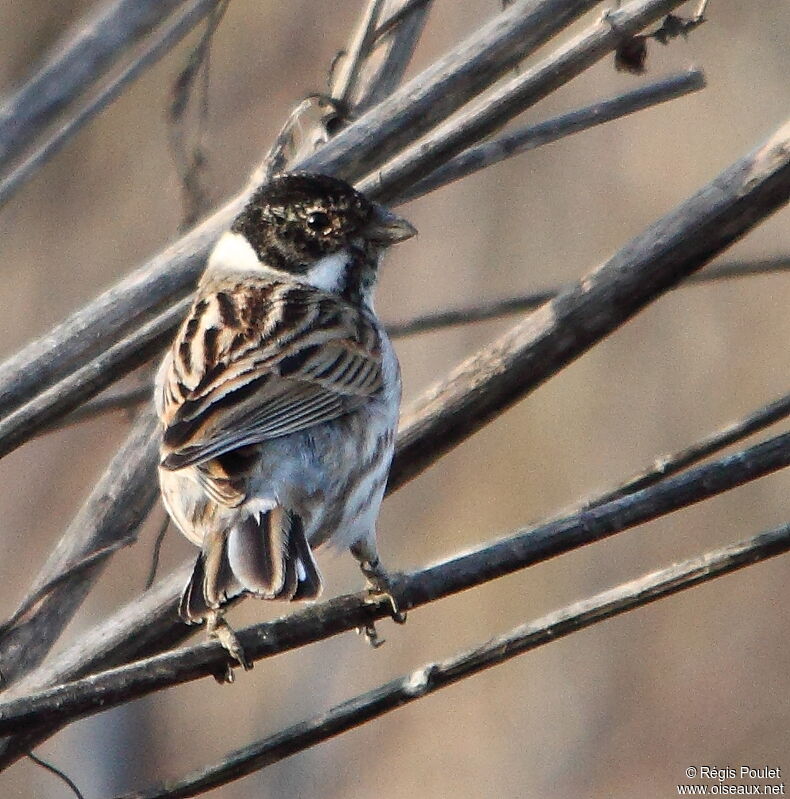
column 298, row 218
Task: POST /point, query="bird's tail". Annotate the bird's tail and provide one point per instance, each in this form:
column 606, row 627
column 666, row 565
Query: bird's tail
column 265, row 553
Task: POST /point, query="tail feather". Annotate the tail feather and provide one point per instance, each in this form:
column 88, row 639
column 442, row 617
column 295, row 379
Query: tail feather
column 256, row 545
column 192, row 607
column 309, row 582
column 211, row 584
column 265, row 554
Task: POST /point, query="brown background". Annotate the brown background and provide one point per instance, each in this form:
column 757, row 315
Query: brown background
column 619, row 710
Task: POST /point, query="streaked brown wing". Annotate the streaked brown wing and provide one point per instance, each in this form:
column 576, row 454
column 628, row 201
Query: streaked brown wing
column 255, row 360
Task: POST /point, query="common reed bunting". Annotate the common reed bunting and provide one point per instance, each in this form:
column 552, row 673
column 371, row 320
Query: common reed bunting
column 279, row 399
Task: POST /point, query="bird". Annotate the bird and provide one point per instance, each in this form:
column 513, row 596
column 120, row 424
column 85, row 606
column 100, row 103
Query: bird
column 279, row 400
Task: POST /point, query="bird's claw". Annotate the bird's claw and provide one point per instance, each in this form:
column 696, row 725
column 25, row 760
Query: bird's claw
column 382, row 583
column 371, row 635
column 219, row 630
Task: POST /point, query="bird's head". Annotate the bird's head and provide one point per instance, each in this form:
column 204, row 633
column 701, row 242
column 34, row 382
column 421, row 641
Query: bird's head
column 319, row 230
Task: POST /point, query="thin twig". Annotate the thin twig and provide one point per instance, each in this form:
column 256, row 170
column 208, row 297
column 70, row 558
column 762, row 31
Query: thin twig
column 346, row 73
column 494, row 109
column 392, row 52
column 531, row 137
column 57, row 772
column 397, row 17
column 429, row 678
column 672, row 464
column 736, row 269
column 191, row 160
column 67, row 575
column 495, row 309
column 160, row 537
column 526, row 547
column 119, row 401
column 197, row 61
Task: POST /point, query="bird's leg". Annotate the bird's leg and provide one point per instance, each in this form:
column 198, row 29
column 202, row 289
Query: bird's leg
column 380, row 582
column 218, row 629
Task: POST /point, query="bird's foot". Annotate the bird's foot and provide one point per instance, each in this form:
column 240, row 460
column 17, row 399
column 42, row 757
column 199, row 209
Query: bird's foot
column 380, row 583
column 371, row 635
column 383, row 583
column 218, row 629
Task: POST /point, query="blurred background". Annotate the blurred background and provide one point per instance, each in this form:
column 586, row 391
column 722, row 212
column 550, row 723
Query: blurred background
column 618, row 710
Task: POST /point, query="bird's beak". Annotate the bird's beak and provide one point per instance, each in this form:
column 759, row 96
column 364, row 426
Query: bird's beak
column 388, row 228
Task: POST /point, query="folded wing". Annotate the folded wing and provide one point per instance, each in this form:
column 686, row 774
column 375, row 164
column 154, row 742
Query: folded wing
column 256, row 360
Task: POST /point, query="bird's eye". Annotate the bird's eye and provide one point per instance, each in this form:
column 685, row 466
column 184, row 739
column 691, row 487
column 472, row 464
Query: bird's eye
column 319, row 221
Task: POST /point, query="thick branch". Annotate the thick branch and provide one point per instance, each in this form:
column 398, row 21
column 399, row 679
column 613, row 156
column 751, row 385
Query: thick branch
column 129, row 353
column 567, row 326
column 527, row 547
column 438, row 320
column 488, row 383
column 157, row 44
column 433, row 676
column 441, row 89
column 95, row 45
column 446, row 85
column 116, row 507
